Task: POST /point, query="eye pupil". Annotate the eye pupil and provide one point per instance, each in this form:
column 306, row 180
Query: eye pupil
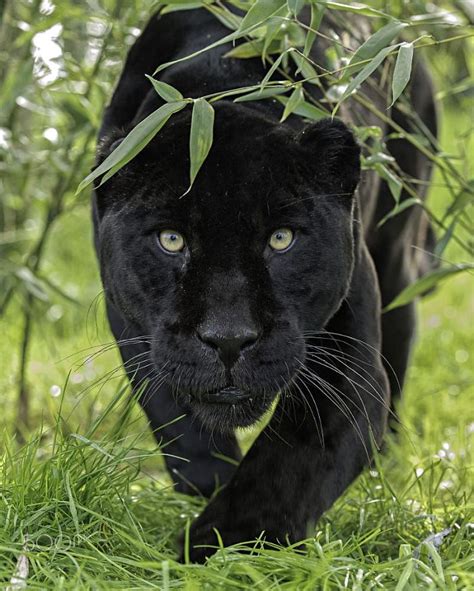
column 281, row 240
column 171, row 242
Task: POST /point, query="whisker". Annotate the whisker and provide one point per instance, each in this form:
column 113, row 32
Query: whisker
column 334, row 395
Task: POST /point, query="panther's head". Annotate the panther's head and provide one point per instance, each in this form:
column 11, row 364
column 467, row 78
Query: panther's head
column 228, row 279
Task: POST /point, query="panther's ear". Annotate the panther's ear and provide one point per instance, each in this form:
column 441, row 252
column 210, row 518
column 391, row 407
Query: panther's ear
column 332, row 155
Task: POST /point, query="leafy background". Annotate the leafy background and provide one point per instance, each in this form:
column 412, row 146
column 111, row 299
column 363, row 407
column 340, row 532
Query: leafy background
column 82, row 501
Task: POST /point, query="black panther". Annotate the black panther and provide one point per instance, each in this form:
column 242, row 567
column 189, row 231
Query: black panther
column 259, row 290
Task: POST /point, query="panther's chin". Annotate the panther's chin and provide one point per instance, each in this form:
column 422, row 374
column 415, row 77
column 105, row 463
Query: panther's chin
column 228, row 409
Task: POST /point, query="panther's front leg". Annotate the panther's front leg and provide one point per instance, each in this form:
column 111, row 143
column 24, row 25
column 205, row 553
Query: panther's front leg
column 286, row 481
column 317, row 442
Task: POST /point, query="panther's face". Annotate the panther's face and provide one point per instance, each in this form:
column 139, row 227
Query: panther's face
column 228, row 279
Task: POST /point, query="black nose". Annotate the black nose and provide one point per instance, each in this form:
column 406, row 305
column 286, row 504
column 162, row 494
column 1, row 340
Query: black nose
column 229, row 346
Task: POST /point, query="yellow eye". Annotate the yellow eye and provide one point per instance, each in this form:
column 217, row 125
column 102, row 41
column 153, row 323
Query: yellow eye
column 171, row 241
column 281, row 239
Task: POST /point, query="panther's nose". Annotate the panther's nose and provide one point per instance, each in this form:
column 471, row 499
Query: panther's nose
column 229, row 345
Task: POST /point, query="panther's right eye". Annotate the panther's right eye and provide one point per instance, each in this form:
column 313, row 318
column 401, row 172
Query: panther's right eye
column 171, row 242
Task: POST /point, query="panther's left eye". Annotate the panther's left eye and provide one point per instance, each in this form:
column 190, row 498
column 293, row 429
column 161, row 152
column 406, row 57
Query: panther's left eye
column 281, row 239
column 171, row 241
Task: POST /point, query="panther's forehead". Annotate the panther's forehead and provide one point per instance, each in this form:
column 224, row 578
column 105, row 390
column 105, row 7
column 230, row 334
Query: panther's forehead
column 218, row 204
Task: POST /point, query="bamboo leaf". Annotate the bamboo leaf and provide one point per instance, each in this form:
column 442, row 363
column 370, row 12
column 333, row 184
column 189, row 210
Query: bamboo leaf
column 258, row 95
column 405, row 204
column 317, row 13
column 402, row 70
column 178, row 5
column 296, row 98
column 225, row 16
column 271, row 32
column 167, row 92
column 295, row 6
column 272, row 70
column 426, row 283
column 252, row 49
column 133, row 143
column 462, row 200
column 376, row 42
column 305, row 67
column 365, row 73
column 259, row 13
column 394, row 183
column 200, row 140
column 306, row 110
column 444, row 240
column 355, row 7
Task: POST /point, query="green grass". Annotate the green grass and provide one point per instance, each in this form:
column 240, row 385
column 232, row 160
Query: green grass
column 87, row 502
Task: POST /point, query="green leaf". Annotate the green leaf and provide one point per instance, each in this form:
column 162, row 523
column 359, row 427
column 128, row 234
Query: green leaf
column 405, row 204
column 426, row 283
column 252, row 49
column 394, row 183
column 462, row 200
column 258, row 95
column 305, row 67
column 259, row 13
column 444, row 240
column 133, row 143
column 167, row 92
column 272, row 70
column 272, row 30
column 225, row 16
column 354, row 7
column 306, row 110
column 295, row 6
column 365, row 73
column 317, row 13
column 184, row 5
column 402, row 70
column 262, row 9
column 296, row 98
column 377, row 41
column 200, row 140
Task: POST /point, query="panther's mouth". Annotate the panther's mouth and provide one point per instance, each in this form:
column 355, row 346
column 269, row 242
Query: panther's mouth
column 228, row 407
column 228, row 395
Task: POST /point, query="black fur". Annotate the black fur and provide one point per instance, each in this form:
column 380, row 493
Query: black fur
column 302, row 326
